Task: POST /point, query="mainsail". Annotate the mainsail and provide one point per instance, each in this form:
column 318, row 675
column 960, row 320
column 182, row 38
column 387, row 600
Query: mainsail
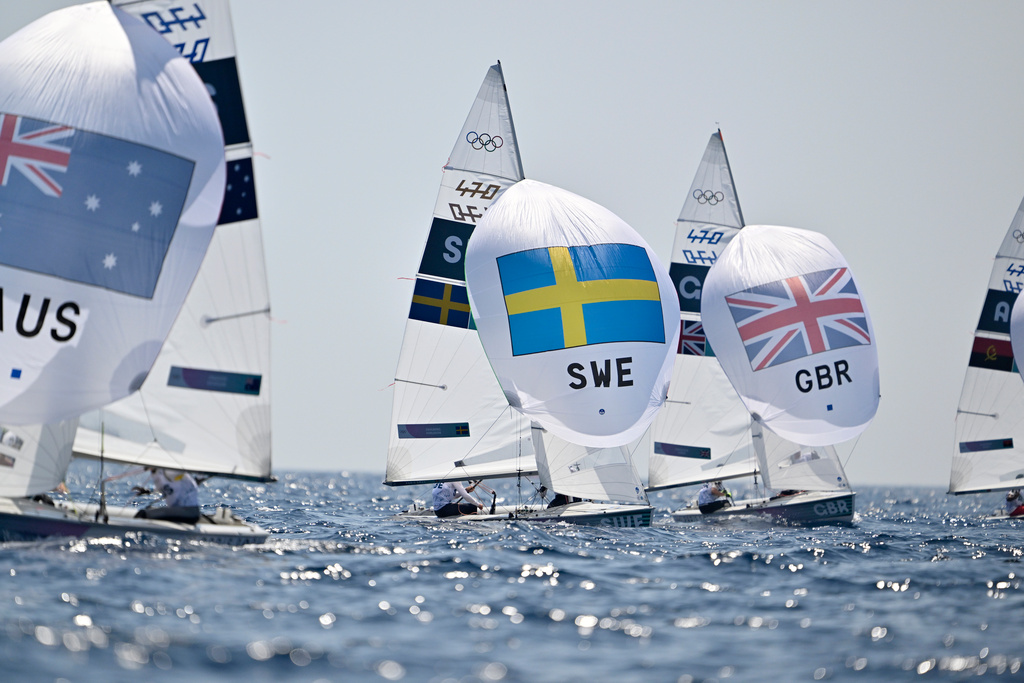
column 575, row 312
column 450, row 419
column 788, row 324
column 205, row 406
column 703, row 430
column 112, row 186
column 988, row 449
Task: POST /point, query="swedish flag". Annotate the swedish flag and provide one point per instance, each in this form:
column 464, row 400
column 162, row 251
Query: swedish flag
column 441, row 303
column 565, row 297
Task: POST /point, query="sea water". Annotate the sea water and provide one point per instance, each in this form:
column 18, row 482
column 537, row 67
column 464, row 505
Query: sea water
column 919, row 588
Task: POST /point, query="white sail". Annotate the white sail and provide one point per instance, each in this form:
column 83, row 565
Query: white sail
column 785, row 465
column 576, row 314
column 703, row 431
column 450, row 419
column 205, row 406
column 988, row 449
column 601, row 474
column 788, row 324
column 107, row 206
column 34, row 458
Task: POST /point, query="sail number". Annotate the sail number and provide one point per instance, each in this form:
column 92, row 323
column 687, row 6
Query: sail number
column 61, row 330
column 832, row 507
column 601, row 375
column 823, row 376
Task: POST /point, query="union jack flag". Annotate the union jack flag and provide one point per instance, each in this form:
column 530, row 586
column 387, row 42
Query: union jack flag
column 33, row 153
column 691, row 338
column 799, row 316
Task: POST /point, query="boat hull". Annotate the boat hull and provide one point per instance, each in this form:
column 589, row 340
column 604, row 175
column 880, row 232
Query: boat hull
column 811, row 507
column 26, row 520
column 584, row 513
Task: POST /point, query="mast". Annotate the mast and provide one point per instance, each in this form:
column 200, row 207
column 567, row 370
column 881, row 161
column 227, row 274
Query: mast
column 728, row 167
column 511, row 124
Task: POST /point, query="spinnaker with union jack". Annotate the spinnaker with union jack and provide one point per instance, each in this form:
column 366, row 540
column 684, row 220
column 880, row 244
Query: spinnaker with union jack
column 790, row 327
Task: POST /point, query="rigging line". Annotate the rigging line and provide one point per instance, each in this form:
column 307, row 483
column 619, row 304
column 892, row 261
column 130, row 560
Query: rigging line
column 206, row 320
column 971, row 412
column 855, row 442
column 443, row 387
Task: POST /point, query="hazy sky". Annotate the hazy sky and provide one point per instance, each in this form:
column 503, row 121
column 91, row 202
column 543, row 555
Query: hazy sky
column 897, row 129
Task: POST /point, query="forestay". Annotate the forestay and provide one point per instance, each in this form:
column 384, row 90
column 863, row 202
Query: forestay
column 576, row 314
column 791, row 330
column 605, row 474
column 449, row 418
column 205, row 405
column 113, row 185
column 703, row 430
column 988, row 450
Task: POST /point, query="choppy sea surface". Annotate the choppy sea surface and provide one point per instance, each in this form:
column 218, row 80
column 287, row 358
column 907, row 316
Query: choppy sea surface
column 919, row 588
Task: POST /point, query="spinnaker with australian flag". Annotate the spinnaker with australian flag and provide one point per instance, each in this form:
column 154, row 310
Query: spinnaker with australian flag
column 109, row 194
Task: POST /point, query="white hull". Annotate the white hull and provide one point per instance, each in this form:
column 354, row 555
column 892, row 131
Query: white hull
column 809, row 507
column 584, row 513
column 22, row 519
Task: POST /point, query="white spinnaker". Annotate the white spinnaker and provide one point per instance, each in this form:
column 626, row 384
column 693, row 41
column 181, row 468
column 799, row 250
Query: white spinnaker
column 205, row 406
column 702, row 432
column 603, row 474
column 576, row 314
column 790, row 328
column 785, row 465
column 988, row 449
column 116, row 88
column 449, row 418
column 34, row 458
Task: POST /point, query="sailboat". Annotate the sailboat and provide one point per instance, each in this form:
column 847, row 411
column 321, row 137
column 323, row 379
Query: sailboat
column 789, row 326
column 987, row 449
column 705, row 433
column 450, row 418
column 204, row 406
column 577, row 319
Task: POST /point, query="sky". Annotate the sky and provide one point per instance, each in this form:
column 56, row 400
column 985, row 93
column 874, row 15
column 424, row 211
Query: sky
column 893, row 128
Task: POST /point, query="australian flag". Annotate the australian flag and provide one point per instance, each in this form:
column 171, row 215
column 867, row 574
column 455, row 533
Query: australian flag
column 799, row 316
column 87, row 207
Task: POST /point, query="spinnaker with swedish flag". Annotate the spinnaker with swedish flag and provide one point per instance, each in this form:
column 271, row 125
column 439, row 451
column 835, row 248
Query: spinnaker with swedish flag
column 576, row 314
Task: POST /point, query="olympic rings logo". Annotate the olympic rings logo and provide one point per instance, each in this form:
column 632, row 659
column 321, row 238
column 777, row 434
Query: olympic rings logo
column 484, row 141
column 1019, row 236
column 708, row 197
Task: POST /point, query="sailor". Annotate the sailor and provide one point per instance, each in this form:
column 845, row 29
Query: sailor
column 1014, row 503
column 451, row 498
column 712, row 497
column 180, row 494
